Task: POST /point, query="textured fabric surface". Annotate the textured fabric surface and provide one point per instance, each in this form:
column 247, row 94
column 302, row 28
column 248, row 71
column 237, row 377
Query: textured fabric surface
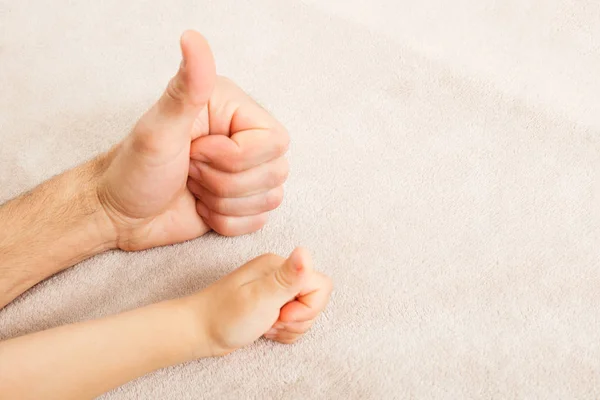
column 445, row 171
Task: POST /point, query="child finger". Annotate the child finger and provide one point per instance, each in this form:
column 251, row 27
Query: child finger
column 308, row 306
column 299, row 327
column 286, row 337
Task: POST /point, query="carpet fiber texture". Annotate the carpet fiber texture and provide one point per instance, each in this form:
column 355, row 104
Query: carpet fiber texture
column 445, row 172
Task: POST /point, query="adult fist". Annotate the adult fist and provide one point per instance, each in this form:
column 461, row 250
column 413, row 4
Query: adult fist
column 154, row 195
column 238, row 167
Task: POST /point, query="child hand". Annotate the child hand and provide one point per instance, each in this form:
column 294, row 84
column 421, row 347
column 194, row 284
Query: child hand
column 271, row 296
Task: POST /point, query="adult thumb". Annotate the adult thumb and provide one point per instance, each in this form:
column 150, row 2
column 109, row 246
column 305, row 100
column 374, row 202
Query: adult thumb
column 190, row 89
column 285, row 282
column 168, row 124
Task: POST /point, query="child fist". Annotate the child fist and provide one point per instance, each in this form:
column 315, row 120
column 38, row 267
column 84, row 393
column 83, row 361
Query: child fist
column 271, row 296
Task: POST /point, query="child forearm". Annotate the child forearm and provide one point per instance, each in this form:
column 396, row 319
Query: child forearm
column 270, row 295
column 86, row 359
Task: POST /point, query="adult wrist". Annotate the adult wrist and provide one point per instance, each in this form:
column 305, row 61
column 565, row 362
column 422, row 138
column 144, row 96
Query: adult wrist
column 103, row 228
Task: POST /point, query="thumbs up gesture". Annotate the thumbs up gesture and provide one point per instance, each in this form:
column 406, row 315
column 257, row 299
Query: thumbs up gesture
column 269, row 296
column 205, row 156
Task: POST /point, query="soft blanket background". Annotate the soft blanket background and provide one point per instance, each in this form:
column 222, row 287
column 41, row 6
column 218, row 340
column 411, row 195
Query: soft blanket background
column 445, row 172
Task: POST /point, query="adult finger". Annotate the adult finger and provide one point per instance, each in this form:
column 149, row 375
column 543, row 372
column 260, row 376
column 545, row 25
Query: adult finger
column 259, row 179
column 238, row 206
column 231, row 226
column 242, row 151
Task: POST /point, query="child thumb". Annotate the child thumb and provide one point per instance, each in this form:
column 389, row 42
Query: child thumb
column 285, row 282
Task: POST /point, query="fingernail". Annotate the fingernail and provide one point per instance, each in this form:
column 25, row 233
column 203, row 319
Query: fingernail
column 202, row 209
column 271, row 332
column 278, row 325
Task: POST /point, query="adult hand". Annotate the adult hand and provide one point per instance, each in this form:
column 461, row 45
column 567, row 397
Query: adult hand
column 151, row 190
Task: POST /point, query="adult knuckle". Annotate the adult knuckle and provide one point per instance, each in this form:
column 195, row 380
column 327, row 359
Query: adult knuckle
column 222, row 187
column 257, row 223
column 233, row 162
column 220, row 204
column 223, row 225
column 283, row 138
column 273, row 199
column 261, row 221
column 278, row 174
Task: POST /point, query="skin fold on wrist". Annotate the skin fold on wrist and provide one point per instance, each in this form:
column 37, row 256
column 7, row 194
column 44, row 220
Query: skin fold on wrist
column 191, row 310
column 89, row 219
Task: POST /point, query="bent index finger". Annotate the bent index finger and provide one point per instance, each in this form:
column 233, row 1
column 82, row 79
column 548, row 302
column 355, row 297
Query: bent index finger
column 310, row 301
column 243, row 151
column 242, row 134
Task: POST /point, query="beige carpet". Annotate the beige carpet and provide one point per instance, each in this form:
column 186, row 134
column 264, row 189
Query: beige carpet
column 445, row 172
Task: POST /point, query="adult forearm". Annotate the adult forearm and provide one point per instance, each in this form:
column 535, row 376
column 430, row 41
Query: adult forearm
column 50, row 228
column 86, row 359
